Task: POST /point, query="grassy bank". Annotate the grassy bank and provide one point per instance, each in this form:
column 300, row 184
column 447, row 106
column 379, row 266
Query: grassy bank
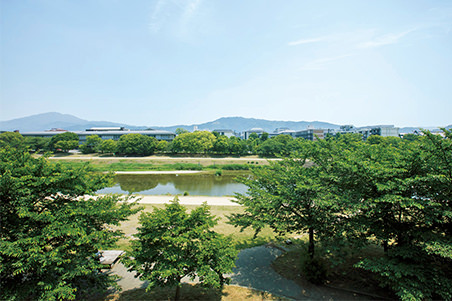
column 129, row 165
column 242, row 239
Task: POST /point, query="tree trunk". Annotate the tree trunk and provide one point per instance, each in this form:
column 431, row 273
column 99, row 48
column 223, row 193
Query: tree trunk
column 177, row 297
column 385, row 246
column 311, row 243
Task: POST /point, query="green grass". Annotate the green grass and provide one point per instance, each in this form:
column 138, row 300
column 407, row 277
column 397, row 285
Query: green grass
column 125, row 165
column 242, row 239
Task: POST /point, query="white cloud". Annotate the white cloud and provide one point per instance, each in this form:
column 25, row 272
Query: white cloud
column 308, row 41
column 170, row 13
column 387, row 39
column 189, row 12
column 319, row 64
column 191, row 9
column 157, row 16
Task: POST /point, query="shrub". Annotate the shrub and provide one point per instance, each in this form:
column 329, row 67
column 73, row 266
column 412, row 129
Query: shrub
column 235, row 167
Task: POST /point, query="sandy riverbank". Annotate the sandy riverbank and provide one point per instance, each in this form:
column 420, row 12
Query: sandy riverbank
column 157, row 172
column 187, row 200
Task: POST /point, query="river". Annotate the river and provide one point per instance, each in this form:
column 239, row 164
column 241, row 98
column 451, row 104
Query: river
column 191, row 184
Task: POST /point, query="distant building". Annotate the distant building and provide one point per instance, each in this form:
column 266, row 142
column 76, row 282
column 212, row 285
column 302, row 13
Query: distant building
column 347, row 129
column 258, row 131
column 311, row 134
column 110, row 133
column 106, row 129
column 225, row 132
column 282, row 131
column 380, row 130
column 56, row 130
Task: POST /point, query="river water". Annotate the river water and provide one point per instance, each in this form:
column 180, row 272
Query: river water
column 193, row 184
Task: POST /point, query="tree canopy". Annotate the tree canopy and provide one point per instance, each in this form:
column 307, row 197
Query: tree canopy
column 387, row 191
column 136, row 144
column 194, row 143
column 288, row 197
column 173, row 244
column 91, row 145
column 12, row 139
column 64, row 141
column 50, row 231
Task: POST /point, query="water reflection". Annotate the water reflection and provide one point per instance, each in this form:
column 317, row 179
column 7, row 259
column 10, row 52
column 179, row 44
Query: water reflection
column 199, row 184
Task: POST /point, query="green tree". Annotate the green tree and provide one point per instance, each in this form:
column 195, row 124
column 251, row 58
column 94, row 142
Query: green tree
column 253, row 136
column 66, row 145
column 71, row 141
column 136, row 144
column 276, row 146
column 287, row 196
column 221, row 145
column 173, row 244
column 50, row 230
column 108, row 146
column 13, row 139
column 194, row 143
column 411, row 137
column 399, row 193
column 237, row 146
column 162, row 146
column 181, row 131
column 37, row 144
column 91, row 144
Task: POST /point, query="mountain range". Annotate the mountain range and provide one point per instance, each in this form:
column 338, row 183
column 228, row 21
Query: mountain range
column 47, row 121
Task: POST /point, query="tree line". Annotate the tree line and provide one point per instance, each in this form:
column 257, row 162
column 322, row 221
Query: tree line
column 347, row 194
column 200, row 142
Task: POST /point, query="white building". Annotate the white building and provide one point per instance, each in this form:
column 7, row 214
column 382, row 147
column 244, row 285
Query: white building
column 106, row 133
column 381, row 130
column 225, row 132
column 258, row 131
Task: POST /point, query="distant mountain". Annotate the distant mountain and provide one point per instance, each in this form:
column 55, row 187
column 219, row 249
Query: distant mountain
column 241, row 124
column 47, row 121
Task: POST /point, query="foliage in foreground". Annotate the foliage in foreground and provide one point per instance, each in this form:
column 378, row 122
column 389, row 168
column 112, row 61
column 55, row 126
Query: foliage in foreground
column 173, row 244
column 287, row 197
column 50, row 232
column 396, row 193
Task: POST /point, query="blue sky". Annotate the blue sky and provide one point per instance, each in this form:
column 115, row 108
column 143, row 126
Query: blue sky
column 169, row 62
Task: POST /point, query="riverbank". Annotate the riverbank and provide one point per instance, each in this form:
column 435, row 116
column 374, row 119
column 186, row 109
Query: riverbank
column 157, row 172
column 186, row 200
column 158, row 163
column 166, row 159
